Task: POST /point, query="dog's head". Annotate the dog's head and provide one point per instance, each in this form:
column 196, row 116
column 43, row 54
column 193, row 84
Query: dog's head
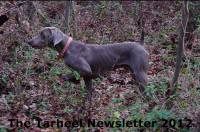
column 48, row 36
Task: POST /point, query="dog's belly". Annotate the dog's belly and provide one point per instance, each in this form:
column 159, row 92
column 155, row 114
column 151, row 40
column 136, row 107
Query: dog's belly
column 106, row 63
column 102, row 66
column 104, row 58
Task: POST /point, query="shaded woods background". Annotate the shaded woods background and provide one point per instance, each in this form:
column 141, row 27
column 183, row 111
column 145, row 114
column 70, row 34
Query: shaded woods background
column 30, row 83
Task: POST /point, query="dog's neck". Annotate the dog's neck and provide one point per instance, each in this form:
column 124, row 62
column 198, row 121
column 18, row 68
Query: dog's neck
column 63, row 46
column 59, row 47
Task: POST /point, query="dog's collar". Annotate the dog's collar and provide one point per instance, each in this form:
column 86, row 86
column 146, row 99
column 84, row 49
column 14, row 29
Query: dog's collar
column 61, row 54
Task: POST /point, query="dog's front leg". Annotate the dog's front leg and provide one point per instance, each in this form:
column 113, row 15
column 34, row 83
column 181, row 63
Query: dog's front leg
column 79, row 64
column 88, row 85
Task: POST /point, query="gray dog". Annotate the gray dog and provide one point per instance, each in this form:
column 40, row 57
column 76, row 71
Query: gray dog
column 91, row 59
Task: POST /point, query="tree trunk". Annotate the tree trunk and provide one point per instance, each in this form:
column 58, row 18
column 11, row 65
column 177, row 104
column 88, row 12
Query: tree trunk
column 67, row 13
column 30, row 11
column 181, row 41
column 179, row 52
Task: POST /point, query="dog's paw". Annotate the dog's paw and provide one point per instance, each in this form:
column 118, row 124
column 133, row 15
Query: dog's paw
column 64, row 78
column 69, row 79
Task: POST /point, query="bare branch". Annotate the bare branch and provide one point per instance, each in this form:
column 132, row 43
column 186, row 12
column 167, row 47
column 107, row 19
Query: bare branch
column 68, row 5
column 13, row 8
column 181, row 41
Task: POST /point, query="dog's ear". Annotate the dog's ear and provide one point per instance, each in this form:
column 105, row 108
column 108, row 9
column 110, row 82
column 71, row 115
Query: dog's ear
column 58, row 36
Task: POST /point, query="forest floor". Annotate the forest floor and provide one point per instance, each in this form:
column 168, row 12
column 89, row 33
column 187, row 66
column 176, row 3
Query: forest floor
column 31, row 87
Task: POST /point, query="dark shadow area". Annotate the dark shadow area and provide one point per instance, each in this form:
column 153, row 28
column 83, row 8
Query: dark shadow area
column 3, row 19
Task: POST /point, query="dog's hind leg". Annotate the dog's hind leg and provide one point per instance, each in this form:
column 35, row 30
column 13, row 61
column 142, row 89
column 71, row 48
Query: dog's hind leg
column 139, row 68
column 141, row 78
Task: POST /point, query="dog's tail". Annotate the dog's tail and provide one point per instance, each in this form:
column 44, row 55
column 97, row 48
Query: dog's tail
column 142, row 37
